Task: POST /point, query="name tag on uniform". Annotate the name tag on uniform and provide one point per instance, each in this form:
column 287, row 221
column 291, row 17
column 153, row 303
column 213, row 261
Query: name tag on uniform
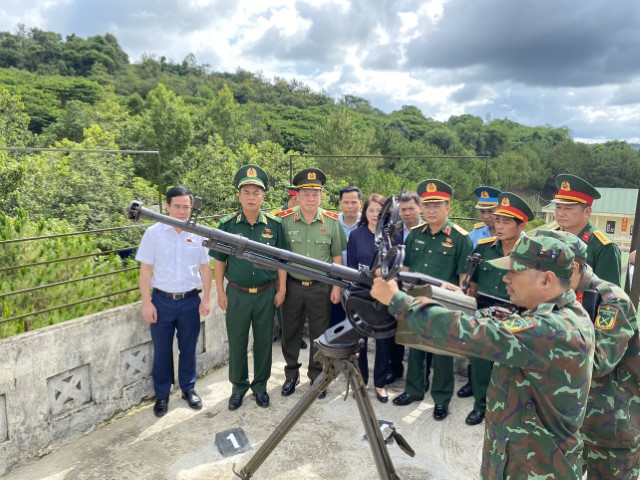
column 293, row 232
column 266, row 235
column 420, row 242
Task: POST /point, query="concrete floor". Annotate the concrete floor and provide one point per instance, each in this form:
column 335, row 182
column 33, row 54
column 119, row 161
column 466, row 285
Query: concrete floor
column 327, row 442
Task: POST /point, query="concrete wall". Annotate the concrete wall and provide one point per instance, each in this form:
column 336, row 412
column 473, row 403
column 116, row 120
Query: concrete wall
column 59, row 382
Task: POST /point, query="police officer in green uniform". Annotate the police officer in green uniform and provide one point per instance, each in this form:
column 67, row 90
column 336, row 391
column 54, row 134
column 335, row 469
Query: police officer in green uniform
column 543, row 360
column 252, row 293
column 511, row 215
column 313, row 232
column 573, row 201
column 438, row 248
column 611, row 427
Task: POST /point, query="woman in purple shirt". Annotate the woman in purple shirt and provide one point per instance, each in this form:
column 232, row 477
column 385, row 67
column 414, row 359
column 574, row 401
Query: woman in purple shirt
column 361, row 249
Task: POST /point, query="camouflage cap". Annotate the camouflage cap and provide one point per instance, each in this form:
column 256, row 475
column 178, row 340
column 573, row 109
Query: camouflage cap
column 251, row 175
column 539, row 253
column 577, row 246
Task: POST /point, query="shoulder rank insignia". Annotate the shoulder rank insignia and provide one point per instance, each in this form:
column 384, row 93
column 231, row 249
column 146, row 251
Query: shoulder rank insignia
column 606, row 317
column 286, row 213
column 602, row 237
column 516, row 323
column 417, row 226
column 273, row 216
column 330, row 214
column 478, row 225
column 227, row 218
column 276, row 211
column 460, row 230
column 482, row 241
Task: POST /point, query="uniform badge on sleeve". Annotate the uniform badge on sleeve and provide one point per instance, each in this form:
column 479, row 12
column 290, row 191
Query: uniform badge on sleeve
column 517, row 324
column 606, row 317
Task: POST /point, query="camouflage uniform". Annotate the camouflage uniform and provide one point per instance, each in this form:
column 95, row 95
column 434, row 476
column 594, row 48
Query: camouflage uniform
column 540, row 381
column 611, row 426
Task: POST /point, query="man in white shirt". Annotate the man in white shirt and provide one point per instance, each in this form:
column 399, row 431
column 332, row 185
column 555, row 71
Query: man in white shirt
column 176, row 266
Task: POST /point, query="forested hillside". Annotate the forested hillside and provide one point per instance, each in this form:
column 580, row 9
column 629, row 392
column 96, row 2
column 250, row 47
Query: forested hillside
column 85, row 93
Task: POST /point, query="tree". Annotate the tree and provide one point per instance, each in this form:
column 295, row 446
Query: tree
column 166, row 126
column 224, row 116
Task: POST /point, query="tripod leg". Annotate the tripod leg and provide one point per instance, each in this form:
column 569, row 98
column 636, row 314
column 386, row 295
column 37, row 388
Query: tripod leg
column 322, row 382
column 385, row 467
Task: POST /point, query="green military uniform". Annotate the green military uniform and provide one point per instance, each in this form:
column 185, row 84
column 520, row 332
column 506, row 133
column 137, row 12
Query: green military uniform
column 442, row 255
column 603, row 254
column 250, row 293
column 321, row 239
column 611, row 427
column 540, row 380
column 489, row 280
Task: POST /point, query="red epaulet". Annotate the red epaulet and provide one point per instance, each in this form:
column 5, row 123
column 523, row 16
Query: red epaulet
column 286, row 213
column 330, row 214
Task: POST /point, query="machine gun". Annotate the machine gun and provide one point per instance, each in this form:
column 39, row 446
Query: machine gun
column 367, row 316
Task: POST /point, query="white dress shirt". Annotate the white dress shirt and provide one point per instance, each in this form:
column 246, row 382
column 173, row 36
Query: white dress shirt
column 176, row 258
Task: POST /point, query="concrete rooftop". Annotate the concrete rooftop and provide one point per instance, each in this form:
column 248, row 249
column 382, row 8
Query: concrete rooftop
column 327, row 443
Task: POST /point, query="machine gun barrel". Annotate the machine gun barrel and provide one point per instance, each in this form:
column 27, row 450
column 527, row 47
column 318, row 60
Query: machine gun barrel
column 258, row 253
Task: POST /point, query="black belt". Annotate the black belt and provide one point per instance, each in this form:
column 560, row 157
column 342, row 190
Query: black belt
column 304, row 283
column 177, row 296
column 252, row 289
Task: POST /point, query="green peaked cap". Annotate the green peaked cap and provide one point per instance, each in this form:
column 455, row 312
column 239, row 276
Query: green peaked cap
column 572, row 189
column 511, row 205
column 434, row 190
column 251, row 175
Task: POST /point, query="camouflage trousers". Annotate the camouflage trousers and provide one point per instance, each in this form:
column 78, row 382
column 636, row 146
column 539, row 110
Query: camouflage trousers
column 611, row 463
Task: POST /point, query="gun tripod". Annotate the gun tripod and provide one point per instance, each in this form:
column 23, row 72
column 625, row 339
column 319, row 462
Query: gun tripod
column 337, row 355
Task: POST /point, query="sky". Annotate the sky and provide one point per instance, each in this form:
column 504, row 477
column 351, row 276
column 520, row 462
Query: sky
column 568, row 63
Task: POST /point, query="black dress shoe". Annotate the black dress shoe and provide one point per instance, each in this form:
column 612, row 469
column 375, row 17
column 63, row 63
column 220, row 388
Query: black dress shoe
column 474, row 417
column 427, row 384
column 465, row 391
column 193, row 399
column 303, row 344
column 323, row 394
column 235, row 401
column 161, row 407
column 289, row 386
column 381, row 398
column 405, row 399
column 440, row 412
column 262, row 399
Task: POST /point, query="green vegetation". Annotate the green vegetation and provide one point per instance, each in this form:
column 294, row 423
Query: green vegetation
column 84, row 94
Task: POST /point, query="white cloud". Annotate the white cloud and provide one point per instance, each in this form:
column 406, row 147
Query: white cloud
column 573, row 65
